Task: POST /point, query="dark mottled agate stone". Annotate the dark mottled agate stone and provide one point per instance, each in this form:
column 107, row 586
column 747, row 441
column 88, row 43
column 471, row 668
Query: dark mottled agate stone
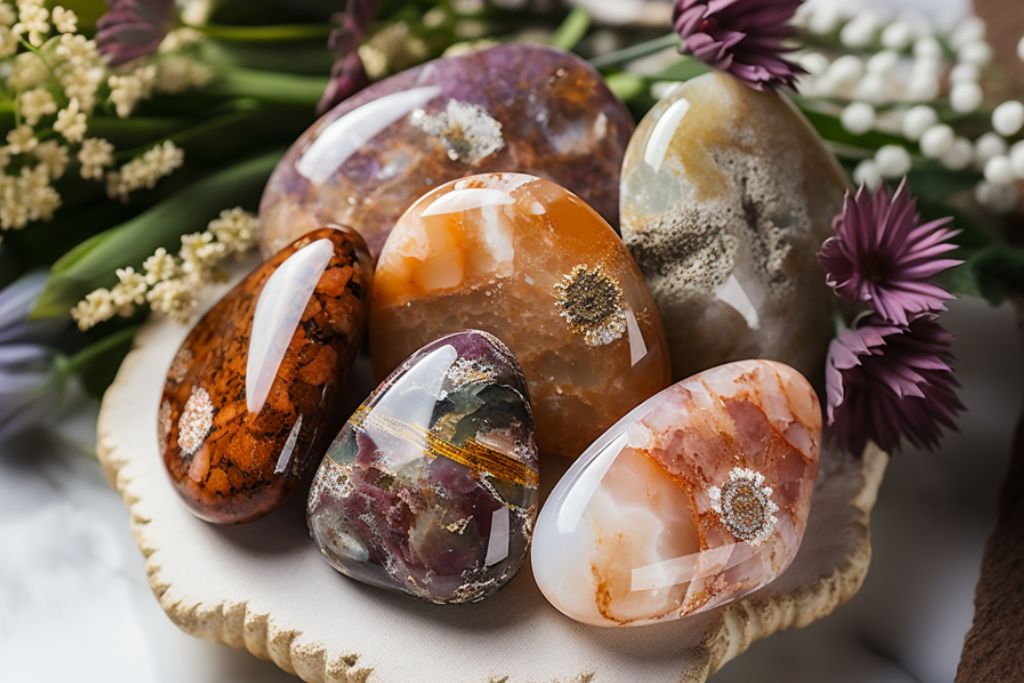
column 524, row 108
column 431, row 486
column 252, row 398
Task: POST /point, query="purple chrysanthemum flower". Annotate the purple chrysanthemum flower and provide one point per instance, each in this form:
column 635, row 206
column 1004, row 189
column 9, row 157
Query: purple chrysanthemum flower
column 884, row 256
column 133, row 28
column 743, row 37
column 889, row 382
column 348, row 76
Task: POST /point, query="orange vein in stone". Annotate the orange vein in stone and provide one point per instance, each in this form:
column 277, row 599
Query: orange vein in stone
column 471, row 453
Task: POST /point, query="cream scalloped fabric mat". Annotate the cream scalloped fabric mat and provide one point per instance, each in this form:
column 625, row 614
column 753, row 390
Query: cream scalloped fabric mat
column 264, row 587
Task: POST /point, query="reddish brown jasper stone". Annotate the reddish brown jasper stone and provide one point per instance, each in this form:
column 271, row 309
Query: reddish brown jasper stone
column 252, row 397
column 515, row 107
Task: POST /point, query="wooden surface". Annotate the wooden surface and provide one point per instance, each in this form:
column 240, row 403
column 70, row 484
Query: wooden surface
column 264, row 587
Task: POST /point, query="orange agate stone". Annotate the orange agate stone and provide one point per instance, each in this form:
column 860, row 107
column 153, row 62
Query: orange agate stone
column 530, row 262
column 254, row 394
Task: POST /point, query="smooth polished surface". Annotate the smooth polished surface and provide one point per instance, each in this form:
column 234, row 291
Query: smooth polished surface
column 517, row 107
column 252, row 396
column 727, row 195
column 431, row 486
column 697, row 497
column 532, row 264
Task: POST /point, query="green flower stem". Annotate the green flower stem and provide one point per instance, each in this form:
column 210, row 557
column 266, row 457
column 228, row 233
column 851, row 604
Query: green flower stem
column 265, row 34
column 629, row 54
column 91, row 264
column 73, row 365
column 571, row 32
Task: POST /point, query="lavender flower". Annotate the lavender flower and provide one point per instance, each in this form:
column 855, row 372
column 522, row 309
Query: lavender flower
column 743, row 37
column 348, row 76
column 883, row 255
column 133, row 28
column 889, row 382
column 30, row 380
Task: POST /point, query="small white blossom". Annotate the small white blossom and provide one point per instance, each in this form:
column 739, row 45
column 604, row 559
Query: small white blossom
column 1017, row 158
column 176, row 73
column 893, row 161
column 987, row 146
column 978, row 53
column 71, row 122
column 180, row 38
column 999, row 171
column 64, row 20
column 964, row 73
column 94, row 155
column 858, row 117
column 996, row 198
column 936, row 141
column 130, row 290
column 959, row 155
column 235, row 229
column 8, row 42
column 96, row 307
column 160, row 266
column 1008, row 118
column 7, row 14
column 965, row 97
column 54, row 156
column 867, row 173
column 144, row 171
column 35, row 104
column 21, row 140
column 897, row 35
column 126, row 90
column 174, row 298
column 200, row 252
column 77, row 49
column 33, row 21
column 27, row 71
column 917, row 120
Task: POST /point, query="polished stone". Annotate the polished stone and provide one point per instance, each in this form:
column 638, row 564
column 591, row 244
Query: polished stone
column 431, row 486
column 698, row 497
column 727, row 195
column 528, row 108
column 531, row 263
column 252, row 398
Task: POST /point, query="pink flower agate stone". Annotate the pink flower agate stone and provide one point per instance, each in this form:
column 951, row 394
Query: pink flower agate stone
column 697, row 497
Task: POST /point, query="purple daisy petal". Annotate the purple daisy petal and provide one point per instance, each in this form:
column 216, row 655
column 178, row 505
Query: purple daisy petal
column 348, row 75
column 133, row 28
column 884, row 256
column 743, row 37
column 889, row 383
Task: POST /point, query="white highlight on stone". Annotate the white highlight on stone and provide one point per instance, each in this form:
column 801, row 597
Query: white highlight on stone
column 497, row 542
column 346, row 136
column 664, row 131
column 278, row 312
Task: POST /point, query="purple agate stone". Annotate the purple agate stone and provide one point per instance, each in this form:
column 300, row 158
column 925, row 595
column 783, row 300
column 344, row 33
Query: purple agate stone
column 525, row 108
column 431, row 486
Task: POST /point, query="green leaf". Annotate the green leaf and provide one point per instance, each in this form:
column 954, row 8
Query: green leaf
column 571, row 31
column 269, row 86
column 991, row 272
column 265, row 33
column 91, row 264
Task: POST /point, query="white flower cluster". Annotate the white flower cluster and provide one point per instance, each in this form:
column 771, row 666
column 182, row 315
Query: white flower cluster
column 170, row 283
column 893, row 74
column 143, row 171
column 56, row 78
